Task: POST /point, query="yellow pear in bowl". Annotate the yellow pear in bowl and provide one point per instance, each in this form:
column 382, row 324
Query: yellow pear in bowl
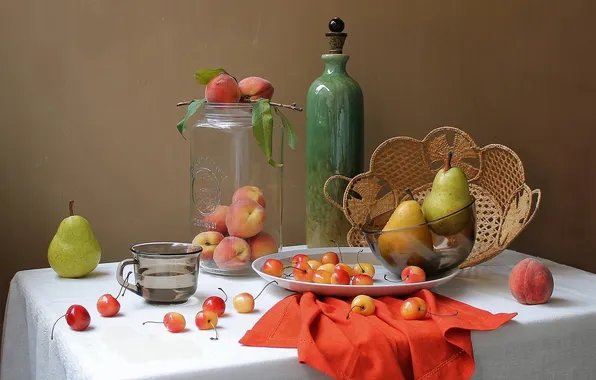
column 74, row 251
column 408, row 245
column 450, row 193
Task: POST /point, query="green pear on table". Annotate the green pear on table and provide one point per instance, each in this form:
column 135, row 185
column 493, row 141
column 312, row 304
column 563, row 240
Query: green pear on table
column 450, row 193
column 74, row 251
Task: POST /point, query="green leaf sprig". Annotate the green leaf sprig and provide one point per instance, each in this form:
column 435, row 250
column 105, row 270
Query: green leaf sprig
column 262, row 118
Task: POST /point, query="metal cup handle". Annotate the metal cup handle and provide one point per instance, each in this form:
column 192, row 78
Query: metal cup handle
column 119, row 276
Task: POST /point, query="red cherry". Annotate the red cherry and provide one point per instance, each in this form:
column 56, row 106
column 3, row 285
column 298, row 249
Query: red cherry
column 273, row 267
column 108, row 306
column 297, row 259
column 340, row 277
column 330, row 258
column 412, row 274
column 415, row 308
column 216, row 304
column 77, row 317
column 303, row 272
column 173, row 321
column 362, row 279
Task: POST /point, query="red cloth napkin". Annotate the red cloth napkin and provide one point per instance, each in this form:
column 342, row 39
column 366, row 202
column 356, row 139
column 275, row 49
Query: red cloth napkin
column 379, row 346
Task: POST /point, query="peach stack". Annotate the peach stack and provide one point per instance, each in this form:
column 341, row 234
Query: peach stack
column 236, row 235
column 224, row 89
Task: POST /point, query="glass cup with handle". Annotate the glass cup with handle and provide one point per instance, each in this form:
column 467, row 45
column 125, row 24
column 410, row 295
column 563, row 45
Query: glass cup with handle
column 165, row 272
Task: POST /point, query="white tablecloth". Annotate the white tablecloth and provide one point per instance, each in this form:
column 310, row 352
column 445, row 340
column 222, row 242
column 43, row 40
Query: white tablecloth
column 552, row 341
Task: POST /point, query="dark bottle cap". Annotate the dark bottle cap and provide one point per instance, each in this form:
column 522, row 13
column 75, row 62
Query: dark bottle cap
column 336, row 37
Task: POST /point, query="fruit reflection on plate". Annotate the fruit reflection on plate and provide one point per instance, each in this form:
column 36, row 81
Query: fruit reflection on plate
column 298, row 275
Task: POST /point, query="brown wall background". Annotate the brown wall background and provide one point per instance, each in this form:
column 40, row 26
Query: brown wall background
column 88, row 88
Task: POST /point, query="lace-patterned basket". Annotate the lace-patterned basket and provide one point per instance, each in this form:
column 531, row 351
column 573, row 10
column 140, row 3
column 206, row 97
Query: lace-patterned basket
column 505, row 204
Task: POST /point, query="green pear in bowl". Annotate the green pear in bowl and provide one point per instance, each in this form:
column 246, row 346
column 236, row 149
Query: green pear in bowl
column 74, row 251
column 450, row 193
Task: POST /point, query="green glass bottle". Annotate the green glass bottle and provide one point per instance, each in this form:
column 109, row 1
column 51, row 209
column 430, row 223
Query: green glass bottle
column 334, row 142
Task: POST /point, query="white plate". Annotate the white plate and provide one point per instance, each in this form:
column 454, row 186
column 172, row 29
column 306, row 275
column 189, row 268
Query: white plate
column 380, row 287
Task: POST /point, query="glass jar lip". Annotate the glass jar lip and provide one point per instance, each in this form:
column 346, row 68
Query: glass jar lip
column 159, row 248
column 372, row 232
column 240, row 105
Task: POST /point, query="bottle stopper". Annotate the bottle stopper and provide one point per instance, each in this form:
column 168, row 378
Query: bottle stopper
column 336, row 37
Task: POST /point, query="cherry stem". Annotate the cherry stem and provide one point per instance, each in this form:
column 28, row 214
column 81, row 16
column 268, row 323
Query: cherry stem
column 216, row 334
column 226, row 300
column 358, row 261
column 353, row 307
column 271, row 282
column 338, row 250
column 71, row 208
column 151, row 322
column 52, row 335
column 447, row 164
column 409, row 192
column 123, row 286
column 439, row 315
column 386, row 279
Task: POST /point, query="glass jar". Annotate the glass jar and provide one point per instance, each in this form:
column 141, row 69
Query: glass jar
column 236, row 196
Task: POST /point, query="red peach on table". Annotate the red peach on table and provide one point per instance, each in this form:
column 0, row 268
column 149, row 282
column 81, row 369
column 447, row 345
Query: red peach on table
column 262, row 245
column 531, row 282
column 255, row 88
column 222, row 89
column 217, row 220
column 232, row 253
column 245, row 218
column 250, row 192
column 208, row 240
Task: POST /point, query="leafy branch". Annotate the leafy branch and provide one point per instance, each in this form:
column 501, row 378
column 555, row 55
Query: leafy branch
column 262, row 118
column 292, row 106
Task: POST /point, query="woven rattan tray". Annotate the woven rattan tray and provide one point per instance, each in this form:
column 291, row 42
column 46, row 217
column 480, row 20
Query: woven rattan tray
column 505, row 204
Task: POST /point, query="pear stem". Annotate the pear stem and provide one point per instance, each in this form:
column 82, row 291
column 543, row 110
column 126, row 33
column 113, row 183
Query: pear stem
column 409, row 192
column 447, row 164
column 70, row 208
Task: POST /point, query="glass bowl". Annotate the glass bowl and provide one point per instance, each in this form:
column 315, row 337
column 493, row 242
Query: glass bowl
column 437, row 246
